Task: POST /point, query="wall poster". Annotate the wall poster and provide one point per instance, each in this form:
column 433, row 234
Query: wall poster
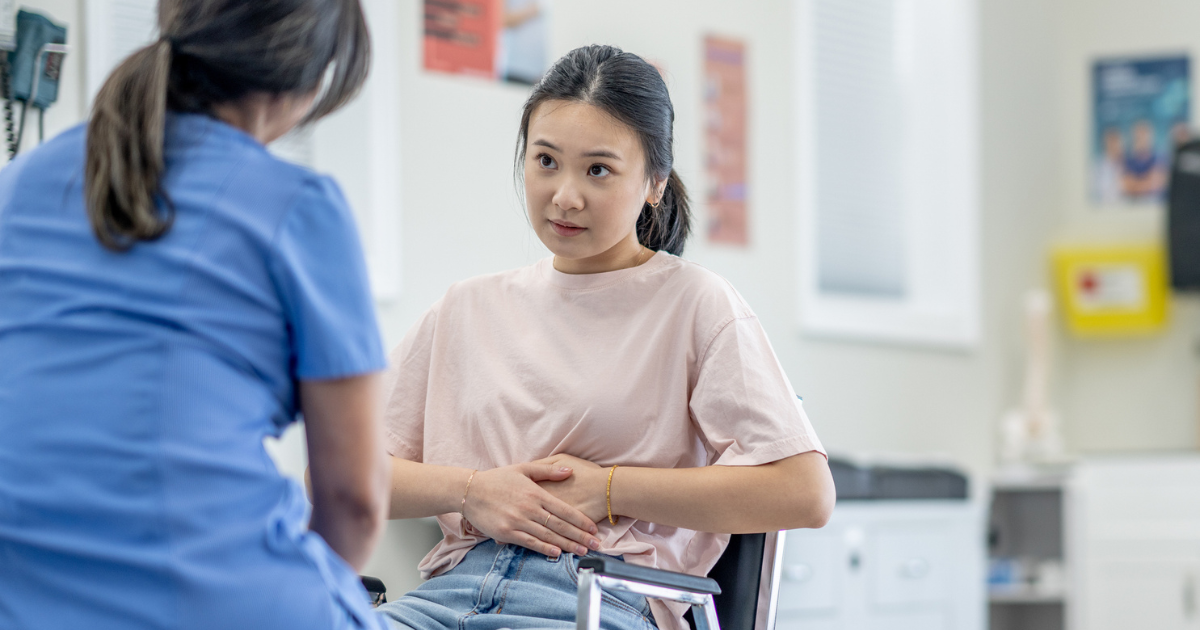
column 492, row 39
column 725, row 140
column 1142, row 111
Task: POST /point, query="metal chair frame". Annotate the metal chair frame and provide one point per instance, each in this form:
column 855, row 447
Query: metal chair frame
column 595, row 578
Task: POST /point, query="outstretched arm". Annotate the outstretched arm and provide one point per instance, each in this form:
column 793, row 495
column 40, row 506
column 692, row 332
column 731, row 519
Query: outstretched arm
column 792, row 493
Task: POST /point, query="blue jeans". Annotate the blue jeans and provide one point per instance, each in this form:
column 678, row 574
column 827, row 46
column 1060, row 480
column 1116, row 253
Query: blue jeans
column 507, row 586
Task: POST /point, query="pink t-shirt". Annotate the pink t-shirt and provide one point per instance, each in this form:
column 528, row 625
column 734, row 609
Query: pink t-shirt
column 662, row 365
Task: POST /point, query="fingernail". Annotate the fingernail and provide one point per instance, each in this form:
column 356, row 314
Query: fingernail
column 594, row 544
column 554, row 553
column 580, row 551
column 592, row 529
column 564, row 469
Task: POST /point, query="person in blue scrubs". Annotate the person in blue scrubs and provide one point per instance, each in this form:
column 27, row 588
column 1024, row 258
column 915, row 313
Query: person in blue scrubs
column 171, row 294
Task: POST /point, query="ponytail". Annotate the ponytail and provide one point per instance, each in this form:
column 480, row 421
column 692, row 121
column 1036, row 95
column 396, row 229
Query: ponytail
column 666, row 227
column 122, row 176
column 211, row 52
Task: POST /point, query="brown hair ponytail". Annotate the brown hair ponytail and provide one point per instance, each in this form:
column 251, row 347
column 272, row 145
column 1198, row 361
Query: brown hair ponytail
column 211, row 52
column 125, row 151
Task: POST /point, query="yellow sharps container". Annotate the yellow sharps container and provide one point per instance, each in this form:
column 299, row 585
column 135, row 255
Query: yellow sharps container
column 1112, row 290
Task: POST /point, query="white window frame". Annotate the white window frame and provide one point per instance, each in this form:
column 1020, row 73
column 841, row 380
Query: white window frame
column 940, row 306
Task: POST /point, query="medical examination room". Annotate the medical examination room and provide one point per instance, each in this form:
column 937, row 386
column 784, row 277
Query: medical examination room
column 310, row 311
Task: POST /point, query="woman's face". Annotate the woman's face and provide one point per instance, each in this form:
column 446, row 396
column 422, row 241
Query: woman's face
column 585, row 185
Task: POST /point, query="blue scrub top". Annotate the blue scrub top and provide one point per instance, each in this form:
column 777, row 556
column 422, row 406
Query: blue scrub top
column 136, row 389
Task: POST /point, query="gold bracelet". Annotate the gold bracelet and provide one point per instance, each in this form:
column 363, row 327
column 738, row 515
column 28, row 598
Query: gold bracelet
column 608, row 495
column 462, row 509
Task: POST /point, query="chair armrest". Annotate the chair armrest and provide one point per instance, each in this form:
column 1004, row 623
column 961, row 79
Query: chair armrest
column 376, row 591
column 657, row 577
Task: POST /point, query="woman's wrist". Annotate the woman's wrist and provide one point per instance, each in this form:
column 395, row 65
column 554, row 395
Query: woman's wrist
column 456, row 492
column 624, row 492
column 612, row 518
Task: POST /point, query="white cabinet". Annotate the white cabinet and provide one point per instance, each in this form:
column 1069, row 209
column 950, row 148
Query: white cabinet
column 1136, row 537
column 886, row 565
column 1144, row 594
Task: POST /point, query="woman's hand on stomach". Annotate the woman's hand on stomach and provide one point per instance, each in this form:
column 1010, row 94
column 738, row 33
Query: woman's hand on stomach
column 585, row 489
column 509, row 506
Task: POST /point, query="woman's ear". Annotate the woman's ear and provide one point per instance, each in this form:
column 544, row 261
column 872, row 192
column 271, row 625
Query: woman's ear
column 656, row 191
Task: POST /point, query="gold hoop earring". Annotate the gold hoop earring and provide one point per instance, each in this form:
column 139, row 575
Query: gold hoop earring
column 655, row 205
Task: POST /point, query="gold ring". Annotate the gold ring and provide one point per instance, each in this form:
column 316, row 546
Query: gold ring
column 547, row 523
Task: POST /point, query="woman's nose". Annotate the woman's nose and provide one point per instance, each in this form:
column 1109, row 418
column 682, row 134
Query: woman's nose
column 568, row 195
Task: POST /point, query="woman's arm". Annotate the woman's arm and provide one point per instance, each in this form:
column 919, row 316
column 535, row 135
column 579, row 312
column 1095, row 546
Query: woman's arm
column 506, row 504
column 348, row 468
column 792, row 493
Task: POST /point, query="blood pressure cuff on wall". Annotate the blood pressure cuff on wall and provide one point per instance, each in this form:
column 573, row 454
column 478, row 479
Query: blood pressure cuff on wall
column 33, row 32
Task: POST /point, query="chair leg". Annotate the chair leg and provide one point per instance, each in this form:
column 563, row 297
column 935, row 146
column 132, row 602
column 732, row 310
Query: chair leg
column 587, row 614
column 705, row 615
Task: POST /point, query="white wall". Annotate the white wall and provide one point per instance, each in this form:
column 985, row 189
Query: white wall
column 1129, row 394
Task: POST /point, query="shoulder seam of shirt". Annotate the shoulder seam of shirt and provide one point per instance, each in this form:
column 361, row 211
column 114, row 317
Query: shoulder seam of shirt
column 307, row 179
column 720, row 329
column 723, row 278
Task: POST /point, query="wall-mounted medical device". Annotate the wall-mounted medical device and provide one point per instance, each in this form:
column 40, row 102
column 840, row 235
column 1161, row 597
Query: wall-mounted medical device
column 30, row 71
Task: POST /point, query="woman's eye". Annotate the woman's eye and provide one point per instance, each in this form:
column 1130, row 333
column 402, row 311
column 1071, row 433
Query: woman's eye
column 546, row 161
column 598, row 170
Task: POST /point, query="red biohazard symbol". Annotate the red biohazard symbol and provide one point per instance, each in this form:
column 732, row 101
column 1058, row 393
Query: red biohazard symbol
column 1088, row 282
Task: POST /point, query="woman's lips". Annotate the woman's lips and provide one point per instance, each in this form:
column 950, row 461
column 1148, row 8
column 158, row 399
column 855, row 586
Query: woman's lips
column 566, row 230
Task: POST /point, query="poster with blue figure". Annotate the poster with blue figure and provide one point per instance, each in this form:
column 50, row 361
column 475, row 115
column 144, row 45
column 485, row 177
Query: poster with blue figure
column 1142, row 112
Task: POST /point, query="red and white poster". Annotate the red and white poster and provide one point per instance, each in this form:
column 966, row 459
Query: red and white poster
column 461, row 36
column 725, row 140
column 492, row 39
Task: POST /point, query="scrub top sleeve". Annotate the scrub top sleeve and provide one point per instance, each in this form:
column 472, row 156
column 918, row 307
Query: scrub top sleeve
column 743, row 403
column 322, row 280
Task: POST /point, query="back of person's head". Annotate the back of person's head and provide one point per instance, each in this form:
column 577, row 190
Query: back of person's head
column 632, row 91
column 211, row 52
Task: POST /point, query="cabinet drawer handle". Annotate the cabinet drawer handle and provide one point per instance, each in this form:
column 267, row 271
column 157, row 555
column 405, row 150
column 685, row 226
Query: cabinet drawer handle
column 798, row 572
column 914, row 569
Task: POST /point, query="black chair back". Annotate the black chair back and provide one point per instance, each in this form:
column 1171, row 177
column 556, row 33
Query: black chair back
column 739, row 572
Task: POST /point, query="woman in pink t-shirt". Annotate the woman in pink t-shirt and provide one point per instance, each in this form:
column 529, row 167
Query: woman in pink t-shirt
column 524, row 401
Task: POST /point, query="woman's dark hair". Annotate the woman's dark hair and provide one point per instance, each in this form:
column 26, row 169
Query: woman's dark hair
column 631, row 90
column 210, row 52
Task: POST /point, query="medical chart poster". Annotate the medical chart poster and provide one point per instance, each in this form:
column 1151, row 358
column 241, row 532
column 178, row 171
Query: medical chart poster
column 1141, row 112
column 725, row 140
column 492, row 39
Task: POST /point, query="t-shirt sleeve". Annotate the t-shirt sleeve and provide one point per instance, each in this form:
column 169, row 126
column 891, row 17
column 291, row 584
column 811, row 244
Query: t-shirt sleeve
column 744, row 404
column 321, row 276
column 406, row 385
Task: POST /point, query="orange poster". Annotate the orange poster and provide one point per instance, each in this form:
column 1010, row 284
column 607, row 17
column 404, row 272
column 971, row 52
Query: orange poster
column 725, row 140
column 461, row 36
